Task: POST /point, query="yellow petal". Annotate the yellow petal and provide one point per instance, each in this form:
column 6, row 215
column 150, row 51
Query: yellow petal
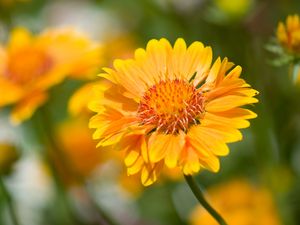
column 194, row 54
column 10, row 92
column 228, row 102
column 130, row 81
column 214, row 71
column 233, row 122
column 26, row 107
column 150, row 173
column 179, row 59
column 79, row 101
column 208, row 142
column 136, row 167
column 131, row 158
column 20, row 38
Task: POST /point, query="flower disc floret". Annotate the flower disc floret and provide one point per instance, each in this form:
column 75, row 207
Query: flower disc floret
column 171, row 106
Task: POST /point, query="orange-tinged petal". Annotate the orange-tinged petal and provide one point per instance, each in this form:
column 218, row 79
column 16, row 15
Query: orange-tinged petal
column 206, row 142
column 26, row 107
column 79, row 101
column 212, row 163
column 156, row 61
column 165, row 146
column 136, row 167
column 203, row 66
column 179, row 59
column 194, row 54
column 129, row 81
column 10, row 92
column 173, row 153
column 238, row 113
column 82, row 99
column 234, row 73
column 234, row 122
column 214, row 71
column 131, row 158
column 150, row 173
column 228, row 102
column 190, row 161
column 216, row 129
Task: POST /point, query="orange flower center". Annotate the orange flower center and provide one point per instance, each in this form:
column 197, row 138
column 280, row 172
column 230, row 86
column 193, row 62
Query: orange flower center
column 26, row 65
column 171, row 106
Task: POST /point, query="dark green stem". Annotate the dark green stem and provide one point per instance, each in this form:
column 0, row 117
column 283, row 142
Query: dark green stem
column 199, row 195
column 46, row 120
column 9, row 201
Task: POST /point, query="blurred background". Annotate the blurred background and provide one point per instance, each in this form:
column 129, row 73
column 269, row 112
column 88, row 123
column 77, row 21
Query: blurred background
column 258, row 183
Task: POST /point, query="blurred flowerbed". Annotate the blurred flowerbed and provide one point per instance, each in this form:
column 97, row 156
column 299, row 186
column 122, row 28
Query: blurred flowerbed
column 55, row 110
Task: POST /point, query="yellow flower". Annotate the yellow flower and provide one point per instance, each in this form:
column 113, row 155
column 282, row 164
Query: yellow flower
column 288, row 34
column 120, row 47
column 75, row 48
column 78, row 146
column 170, row 106
column 8, row 155
column 30, row 65
column 234, row 8
column 78, row 103
column 240, row 203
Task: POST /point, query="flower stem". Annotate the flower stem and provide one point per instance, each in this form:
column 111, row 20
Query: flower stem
column 46, row 121
column 199, row 195
column 10, row 205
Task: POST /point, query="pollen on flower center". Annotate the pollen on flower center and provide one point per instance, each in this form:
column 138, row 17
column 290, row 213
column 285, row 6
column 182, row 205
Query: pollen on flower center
column 27, row 65
column 171, row 106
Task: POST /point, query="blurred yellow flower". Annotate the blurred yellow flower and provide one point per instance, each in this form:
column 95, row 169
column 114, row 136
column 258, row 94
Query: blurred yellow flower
column 288, row 34
column 234, row 8
column 30, row 65
column 241, row 203
column 78, row 103
column 120, row 47
column 8, row 155
column 170, row 106
column 75, row 48
column 78, row 147
column 82, row 157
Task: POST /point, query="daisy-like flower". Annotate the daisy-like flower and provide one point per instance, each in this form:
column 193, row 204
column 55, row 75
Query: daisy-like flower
column 170, row 106
column 30, row 65
column 288, row 34
column 238, row 201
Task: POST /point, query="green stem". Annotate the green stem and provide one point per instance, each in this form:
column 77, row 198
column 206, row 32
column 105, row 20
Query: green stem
column 41, row 133
column 9, row 201
column 46, row 119
column 199, row 195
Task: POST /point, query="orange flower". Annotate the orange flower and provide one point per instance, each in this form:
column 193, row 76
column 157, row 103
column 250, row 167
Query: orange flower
column 288, row 34
column 78, row 147
column 240, row 203
column 82, row 158
column 169, row 106
column 30, row 65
